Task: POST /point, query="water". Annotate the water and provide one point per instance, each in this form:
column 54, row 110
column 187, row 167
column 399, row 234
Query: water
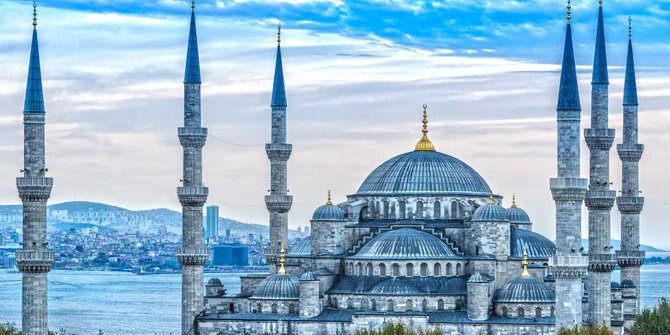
column 124, row 303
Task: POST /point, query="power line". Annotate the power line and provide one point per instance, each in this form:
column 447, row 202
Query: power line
column 235, row 144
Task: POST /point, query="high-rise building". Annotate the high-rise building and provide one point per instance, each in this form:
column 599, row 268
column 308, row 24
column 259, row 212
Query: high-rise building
column 212, row 227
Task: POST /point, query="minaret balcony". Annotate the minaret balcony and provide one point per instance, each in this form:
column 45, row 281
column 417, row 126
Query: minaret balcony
column 599, row 139
column 195, row 196
column 568, row 267
column 630, row 205
column 278, row 203
column 278, row 151
column 34, row 188
column 601, row 262
column 630, row 152
column 194, row 137
column 600, row 199
column 192, row 255
column 34, row 261
column 568, row 189
column 630, row 257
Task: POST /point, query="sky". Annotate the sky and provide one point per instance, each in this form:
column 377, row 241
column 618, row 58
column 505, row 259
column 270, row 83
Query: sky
column 357, row 74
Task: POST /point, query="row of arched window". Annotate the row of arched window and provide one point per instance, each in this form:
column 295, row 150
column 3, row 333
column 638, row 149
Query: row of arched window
column 391, row 305
column 408, row 270
column 387, row 210
column 273, row 308
column 521, row 312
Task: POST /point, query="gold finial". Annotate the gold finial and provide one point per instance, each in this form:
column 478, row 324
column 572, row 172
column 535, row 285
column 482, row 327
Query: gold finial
column 525, row 273
column 35, row 14
column 279, row 33
column 630, row 27
column 282, row 270
column 424, row 143
column 569, row 12
column 329, row 202
column 491, row 201
column 513, row 201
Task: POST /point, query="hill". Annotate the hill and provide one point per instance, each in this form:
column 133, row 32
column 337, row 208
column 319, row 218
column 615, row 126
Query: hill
column 617, row 246
column 84, row 206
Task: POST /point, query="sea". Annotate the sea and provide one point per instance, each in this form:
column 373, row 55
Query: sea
column 86, row 302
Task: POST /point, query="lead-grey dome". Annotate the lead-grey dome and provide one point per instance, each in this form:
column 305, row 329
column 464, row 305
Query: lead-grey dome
column 328, row 213
column 215, row 281
column 395, row 286
column 278, row 287
column 490, row 212
column 538, row 246
column 518, row 216
column 404, row 244
column 525, row 290
column 424, row 173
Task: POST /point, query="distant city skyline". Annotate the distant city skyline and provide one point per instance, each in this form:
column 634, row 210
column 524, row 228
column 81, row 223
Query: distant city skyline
column 355, row 83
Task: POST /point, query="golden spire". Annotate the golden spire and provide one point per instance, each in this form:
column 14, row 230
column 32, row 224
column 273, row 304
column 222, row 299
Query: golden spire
column 569, row 12
column 424, row 143
column 329, row 202
column 35, row 14
column 282, row 270
column 279, row 33
column 513, row 201
column 491, row 201
column 630, row 27
column 525, row 273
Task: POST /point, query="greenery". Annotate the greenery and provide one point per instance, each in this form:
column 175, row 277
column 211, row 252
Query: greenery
column 398, row 329
column 578, row 330
column 9, row 328
column 655, row 321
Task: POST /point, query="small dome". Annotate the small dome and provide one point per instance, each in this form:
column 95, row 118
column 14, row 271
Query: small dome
column 525, row 290
column 328, row 213
column 478, row 278
column 490, row 212
column 538, row 246
column 395, row 286
column 405, row 243
column 308, row 276
column 615, row 286
column 215, row 281
column 278, row 287
column 303, row 248
column 627, row 283
column 518, row 216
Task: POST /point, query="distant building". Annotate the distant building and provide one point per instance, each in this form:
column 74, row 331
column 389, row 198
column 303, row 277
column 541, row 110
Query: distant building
column 251, row 238
column 306, row 230
column 230, row 254
column 227, row 234
column 212, row 226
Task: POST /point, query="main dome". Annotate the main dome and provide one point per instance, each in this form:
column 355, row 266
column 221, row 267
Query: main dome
column 424, row 173
column 403, row 244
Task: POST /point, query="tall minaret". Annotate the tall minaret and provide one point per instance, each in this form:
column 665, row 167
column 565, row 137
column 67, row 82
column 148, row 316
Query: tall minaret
column 34, row 260
column 568, row 191
column 192, row 195
column 630, row 203
column 599, row 198
column 278, row 202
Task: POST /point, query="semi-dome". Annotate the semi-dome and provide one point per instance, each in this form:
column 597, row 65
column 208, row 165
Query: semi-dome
column 395, row 286
column 424, row 173
column 278, row 287
column 517, row 215
column 537, row 246
column 490, row 212
column 215, row 282
column 525, row 290
column 303, row 248
column 405, row 243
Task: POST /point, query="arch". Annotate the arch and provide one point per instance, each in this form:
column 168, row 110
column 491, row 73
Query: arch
column 292, row 309
column 231, row 308
column 275, row 308
column 409, row 270
column 258, row 309
column 458, row 269
column 363, row 214
column 538, row 312
column 389, row 305
column 419, row 209
column 370, row 270
column 437, row 210
column 424, row 269
column 424, row 305
column 402, row 209
column 440, row 305
column 437, row 269
column 448, row 269
column 373, row 304
column 382, row 269
column 454, row 210
column 364, row 304
column 350, row 303
column 409, row 306
column 351, row 268
column 386, row 210
column 459, row 304
column 360, row 269
column 520, row 312
column 396, row 270
column 334, row 301
column 552, row 310
column 504, row 311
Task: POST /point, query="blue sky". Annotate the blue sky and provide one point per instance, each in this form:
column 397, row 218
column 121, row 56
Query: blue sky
column 357, row 73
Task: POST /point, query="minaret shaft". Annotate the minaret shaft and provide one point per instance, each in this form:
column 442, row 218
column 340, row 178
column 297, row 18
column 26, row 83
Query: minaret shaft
column 192, row 194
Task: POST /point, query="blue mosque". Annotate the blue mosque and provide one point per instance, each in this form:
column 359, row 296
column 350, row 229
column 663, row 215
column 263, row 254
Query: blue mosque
column 424, row 241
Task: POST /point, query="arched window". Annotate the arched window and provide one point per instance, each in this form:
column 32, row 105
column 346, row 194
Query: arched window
column 424, row 269
column 424, row 305
column 504, row 311
column 373, row 304
column 437, row 270
column 231, row 307
column 454, row 210
column 370, row 269
column 334, row 300
column 259, row 308
column 351, row 269
column 389, row 305
column 437, row 209
column 409, row 269
column 382, row 269
column 409, row 306
column 402, row 210
column 440, row 305
column 459, row 304
column 458, row 269
column 448, row 269
column 551, row 311
column 364, row 304
column 292, row 309
column 396, row 269
column 520, row 312
column 350, row 303
column 274, row 309
column 538, row 312
column 419, row 209
column 363, row 215
column 386, row 210
column 360, row 269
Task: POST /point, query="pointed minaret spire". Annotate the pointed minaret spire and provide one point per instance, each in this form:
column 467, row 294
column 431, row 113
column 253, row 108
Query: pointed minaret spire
column 34, row 102
column 630, row 85
column 568, row 94
column 600, row 75
column 278, row 90
column 192, row 74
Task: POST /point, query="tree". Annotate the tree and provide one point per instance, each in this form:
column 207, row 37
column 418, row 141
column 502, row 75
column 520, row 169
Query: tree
column 578, row 330
column 8, row 328
column 398, row 329
column 655, row 321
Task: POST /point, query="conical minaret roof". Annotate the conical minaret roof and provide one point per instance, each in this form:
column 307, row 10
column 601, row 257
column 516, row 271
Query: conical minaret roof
column 568, row 94
column 600, row 75
column 630, row 86
column 192, row 74
column 34, row 102
column 278, row 90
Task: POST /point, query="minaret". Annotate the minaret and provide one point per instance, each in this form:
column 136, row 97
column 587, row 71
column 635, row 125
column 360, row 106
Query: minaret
column 599, row 198
column 568, row 190
column 630, row 203
column 34, row 260
column 192, row 194
column 278, row 202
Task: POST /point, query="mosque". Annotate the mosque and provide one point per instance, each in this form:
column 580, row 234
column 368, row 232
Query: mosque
column 424, row 240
